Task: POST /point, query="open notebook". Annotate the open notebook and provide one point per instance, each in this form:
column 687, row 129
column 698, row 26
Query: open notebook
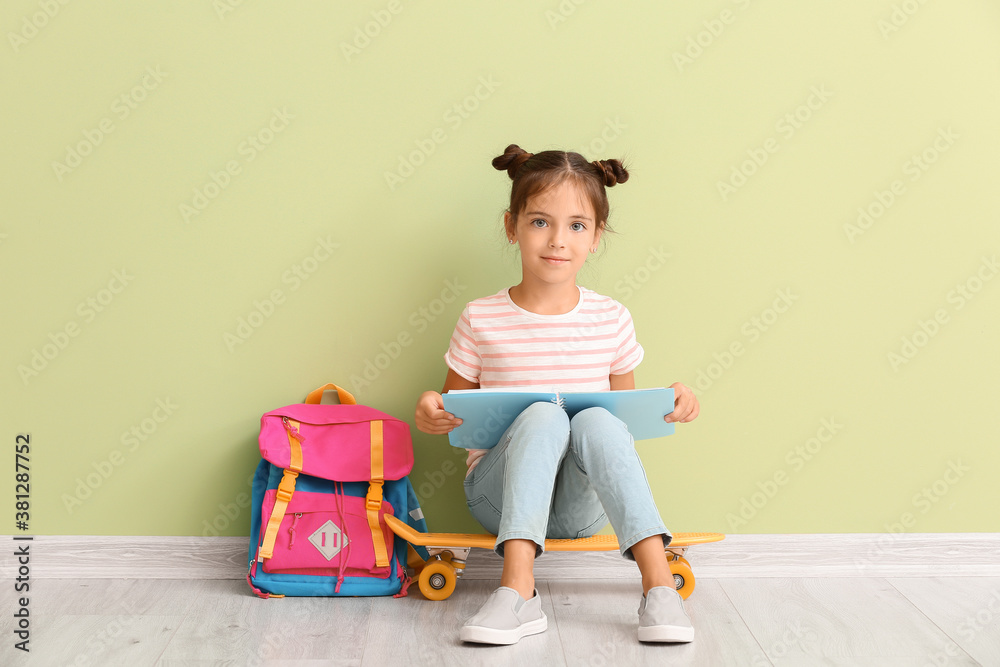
column 486, row 413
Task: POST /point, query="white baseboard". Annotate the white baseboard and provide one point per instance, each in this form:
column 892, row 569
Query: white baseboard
column 798, row 555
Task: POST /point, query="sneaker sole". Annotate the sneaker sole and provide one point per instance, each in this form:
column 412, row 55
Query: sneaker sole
column 483, row 635
column 666, row 633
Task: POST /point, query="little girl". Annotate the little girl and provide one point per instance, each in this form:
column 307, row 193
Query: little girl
column 550, row 476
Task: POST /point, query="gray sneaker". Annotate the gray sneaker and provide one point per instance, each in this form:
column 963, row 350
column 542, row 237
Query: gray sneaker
column 662, row 617
column 504, row 618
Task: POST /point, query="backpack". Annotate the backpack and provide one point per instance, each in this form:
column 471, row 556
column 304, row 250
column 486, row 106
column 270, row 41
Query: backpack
column 329, row 475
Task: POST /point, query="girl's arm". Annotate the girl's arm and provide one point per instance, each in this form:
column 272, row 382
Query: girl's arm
column 686, row 406
column 431, row 416
column 623, row 381
column 456, row 381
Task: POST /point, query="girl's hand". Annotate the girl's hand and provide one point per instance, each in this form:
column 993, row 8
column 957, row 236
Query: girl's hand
column 431, row 416
column 685, row 404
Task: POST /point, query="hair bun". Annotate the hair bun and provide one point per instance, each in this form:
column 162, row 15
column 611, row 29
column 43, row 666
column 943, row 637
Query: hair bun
column 513, row 157
column 612, row 170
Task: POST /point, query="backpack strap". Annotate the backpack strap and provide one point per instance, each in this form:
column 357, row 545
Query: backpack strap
column 285, row 490
column 406, row 580
column 256, row 590
column 345, row 397
column 373, row 501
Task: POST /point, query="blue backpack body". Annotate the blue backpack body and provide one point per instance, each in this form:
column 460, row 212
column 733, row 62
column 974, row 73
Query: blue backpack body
column 398, row 494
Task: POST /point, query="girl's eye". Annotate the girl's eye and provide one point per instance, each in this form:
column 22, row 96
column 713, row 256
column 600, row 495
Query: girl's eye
column 538, row 220
column 578, row 227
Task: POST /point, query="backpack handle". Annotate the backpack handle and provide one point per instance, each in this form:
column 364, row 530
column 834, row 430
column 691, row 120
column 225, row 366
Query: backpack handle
column 345, row 397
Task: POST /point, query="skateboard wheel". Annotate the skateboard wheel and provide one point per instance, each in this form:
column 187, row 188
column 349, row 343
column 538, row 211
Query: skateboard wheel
column 437, row 580
column 683, row 578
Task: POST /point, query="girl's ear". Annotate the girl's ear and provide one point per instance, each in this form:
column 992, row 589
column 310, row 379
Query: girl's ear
column 508, row 223
column 597, row 238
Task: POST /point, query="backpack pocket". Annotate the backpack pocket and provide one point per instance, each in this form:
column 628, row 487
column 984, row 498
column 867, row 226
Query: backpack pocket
column 326, row 534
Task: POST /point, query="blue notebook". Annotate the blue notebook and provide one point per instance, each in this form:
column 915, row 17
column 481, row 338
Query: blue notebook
column 486, row 413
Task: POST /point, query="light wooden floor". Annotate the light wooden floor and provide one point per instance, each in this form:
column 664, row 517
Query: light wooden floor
column 759, row 621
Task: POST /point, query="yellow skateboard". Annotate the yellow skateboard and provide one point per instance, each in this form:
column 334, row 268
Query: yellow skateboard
column 449, row 552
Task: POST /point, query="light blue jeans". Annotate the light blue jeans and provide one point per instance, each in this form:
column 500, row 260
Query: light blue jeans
column 549, row 476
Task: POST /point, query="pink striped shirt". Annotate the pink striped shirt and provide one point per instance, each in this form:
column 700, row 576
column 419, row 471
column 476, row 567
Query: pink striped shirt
column 500, row 345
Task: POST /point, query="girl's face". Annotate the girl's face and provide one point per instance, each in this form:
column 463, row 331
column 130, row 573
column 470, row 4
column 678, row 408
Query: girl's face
column 556, row 231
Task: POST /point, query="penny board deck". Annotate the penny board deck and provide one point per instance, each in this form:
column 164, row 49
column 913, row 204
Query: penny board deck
column 487, row 541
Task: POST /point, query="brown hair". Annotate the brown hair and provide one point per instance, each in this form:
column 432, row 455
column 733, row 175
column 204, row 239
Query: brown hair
column 535, row 173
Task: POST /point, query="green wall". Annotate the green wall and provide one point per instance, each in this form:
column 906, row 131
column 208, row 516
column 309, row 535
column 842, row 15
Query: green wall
column 169, row 172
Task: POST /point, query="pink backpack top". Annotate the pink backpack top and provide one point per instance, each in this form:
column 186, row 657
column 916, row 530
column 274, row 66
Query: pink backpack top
column 332, row 439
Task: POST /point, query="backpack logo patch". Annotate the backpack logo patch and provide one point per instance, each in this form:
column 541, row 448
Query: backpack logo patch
column 329, row 539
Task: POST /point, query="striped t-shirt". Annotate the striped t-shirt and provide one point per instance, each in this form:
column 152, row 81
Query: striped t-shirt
column 500, row 345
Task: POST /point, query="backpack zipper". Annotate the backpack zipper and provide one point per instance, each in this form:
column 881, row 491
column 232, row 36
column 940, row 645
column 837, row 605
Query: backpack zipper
column 294, row 432
column 291, row 529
